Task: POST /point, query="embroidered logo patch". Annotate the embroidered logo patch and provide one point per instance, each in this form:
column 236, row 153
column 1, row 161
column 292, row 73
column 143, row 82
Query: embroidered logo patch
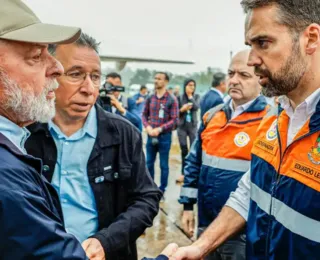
column 241, row 139
column 314, row 153
column 272, row 132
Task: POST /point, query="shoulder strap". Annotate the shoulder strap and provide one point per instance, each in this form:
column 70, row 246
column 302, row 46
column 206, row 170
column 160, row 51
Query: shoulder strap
column 172, row 99
column 211, row 113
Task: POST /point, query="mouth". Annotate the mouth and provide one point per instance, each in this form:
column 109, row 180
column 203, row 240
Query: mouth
column 235, row 90
column 263, row 80
column 81, row 106
column 51, row 94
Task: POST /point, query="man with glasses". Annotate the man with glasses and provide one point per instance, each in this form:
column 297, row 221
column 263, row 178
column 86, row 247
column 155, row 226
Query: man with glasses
column 94, row 160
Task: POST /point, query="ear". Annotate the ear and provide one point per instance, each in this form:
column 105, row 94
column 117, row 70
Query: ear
column 312, row 34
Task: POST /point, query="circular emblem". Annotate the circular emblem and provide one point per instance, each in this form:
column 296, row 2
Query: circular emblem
column 314, row 153
column 241, row 139
column 272, row 132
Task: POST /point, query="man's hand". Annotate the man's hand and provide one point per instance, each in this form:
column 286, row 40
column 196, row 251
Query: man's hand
column 116, row 103
column 170, row 250
column 155, row 132
column 187, row 253
column 93, row 249
column 149, row 130
column 188, row 222
column 140, row 100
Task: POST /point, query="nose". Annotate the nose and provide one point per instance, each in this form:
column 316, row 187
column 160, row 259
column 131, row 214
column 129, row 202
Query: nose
column 254, row 59
column 55, row 69
column 234, row 80
column 87, row 85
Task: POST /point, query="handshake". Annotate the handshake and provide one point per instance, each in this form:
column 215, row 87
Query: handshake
column 173, row 252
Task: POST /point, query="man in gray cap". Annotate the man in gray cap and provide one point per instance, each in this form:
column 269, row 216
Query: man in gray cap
column 31, row 225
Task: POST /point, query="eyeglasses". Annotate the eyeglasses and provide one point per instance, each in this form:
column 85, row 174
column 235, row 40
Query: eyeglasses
column 80, row 76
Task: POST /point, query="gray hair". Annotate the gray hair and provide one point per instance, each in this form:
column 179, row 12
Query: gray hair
column 84, row 41
column 295, row 14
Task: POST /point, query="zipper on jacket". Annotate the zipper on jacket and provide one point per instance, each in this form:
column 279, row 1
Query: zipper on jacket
column 278, row 175
column 247, row 121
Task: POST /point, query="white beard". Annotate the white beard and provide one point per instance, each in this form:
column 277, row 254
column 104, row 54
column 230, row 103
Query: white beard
column 23, row 102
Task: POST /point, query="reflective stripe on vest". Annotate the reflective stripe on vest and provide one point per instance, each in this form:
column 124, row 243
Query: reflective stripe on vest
column 288, row 217
column 224, row 163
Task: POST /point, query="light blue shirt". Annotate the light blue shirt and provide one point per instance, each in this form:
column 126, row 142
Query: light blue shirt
column 70, row 177
column 16, row 134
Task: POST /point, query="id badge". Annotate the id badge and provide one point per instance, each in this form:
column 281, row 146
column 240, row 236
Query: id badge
column 161, row 113
column 188, row 119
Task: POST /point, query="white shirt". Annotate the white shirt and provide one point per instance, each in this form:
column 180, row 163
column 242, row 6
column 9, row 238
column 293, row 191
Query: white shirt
column 239, row 109
column 218, row 91
column 301, row 114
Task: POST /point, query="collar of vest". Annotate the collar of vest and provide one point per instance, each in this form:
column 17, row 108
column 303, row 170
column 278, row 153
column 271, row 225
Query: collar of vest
column 257, row 106
column 314, row 124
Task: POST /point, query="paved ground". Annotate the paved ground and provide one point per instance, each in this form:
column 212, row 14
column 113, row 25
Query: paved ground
column 167, row 225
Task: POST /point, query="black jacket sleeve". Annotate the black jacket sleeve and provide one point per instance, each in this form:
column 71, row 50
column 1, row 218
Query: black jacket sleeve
column 196, row 102
column 143, row 206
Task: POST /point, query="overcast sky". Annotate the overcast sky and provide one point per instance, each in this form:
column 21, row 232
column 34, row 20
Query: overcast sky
column 203, row 30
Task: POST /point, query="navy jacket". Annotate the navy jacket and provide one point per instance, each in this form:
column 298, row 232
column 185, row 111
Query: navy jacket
column 31, row 224
column 127, row 198
column 209, row 100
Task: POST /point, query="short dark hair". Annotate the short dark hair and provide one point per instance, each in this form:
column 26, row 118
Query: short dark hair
column 113, row 75
column 166, row 76
column 295, row 14
column 143, row 87
column 217, row 79
column 84, row 41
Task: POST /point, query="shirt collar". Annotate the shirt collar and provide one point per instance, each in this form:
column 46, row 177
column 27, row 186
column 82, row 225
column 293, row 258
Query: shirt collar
column 16, row 134
column 242, row 107
column 90, row 127
column 218, row 91
column 309, row 104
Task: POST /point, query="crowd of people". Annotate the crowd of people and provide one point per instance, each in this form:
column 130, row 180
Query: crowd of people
column 74, row 180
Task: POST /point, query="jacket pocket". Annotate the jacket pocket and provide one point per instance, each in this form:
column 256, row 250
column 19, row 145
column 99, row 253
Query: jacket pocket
column 123, row 174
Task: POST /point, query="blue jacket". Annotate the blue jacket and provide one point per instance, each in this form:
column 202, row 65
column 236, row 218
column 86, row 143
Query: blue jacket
column 31, row 225
column 209, row 100
column 284, row 216
column 218, row 158
column 135, row 108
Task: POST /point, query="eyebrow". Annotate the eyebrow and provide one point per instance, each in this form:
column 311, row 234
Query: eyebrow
column 77, row 67
column 239, row 71
column 256, row 38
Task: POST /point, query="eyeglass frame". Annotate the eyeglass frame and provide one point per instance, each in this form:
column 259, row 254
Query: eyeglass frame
column 85, row 74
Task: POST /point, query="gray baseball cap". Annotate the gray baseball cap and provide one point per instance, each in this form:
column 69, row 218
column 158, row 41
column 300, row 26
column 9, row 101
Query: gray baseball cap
column 19, row 23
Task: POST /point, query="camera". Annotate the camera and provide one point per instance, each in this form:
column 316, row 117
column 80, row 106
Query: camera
column 108, row 89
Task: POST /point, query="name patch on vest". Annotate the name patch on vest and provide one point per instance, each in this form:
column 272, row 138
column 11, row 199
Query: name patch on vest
column 306, row 170
column 266, row 146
